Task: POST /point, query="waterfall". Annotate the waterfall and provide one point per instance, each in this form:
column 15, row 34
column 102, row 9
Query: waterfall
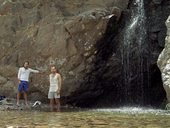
column 132, row 54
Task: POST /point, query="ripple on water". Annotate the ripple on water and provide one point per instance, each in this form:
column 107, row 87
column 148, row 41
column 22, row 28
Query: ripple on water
column 135, row 110
column 95, row 118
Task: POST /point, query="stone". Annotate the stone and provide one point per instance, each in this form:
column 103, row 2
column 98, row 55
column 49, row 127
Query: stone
column 161, row 37
column 157, row 1
column 2, row 80
column 157, row 12
column 167, row 106
column 164, row 63
column 8, row 71
column 5, row 102
column 9, row 89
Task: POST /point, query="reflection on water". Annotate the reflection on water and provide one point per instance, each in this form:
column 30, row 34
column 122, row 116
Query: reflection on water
column 99, row 118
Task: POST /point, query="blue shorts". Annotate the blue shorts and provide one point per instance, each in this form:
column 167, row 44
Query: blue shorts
column 23, row 86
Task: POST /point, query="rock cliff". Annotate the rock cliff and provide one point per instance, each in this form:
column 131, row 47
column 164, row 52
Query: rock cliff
column 48, row 32
column 164, row 62
column 85, row 43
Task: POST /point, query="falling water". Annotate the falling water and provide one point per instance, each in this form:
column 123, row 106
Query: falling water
column 132, row 57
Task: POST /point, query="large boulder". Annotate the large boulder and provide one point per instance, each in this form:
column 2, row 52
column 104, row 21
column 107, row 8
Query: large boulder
column 48, row 32
column 164, row 62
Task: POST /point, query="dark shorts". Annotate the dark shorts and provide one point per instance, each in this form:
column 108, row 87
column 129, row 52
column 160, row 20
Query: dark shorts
column 23, row 86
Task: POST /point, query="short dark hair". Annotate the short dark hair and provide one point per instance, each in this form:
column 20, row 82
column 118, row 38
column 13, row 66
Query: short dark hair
column 27, row 62
column 53, row 66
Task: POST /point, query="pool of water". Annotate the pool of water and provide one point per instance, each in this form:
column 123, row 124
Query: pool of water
column 95, row 118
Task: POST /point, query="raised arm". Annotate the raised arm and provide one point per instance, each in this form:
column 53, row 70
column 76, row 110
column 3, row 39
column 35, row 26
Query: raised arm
column 34, row 71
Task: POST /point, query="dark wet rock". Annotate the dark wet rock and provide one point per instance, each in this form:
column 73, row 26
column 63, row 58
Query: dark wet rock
column 157, row 1
column 157, row 13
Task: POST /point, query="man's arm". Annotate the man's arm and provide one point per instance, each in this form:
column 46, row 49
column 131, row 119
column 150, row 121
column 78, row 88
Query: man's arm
column 34, row 71
column 19, row 74
column 59, row 83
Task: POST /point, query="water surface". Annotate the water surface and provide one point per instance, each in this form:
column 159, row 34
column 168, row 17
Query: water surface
column 95, row 118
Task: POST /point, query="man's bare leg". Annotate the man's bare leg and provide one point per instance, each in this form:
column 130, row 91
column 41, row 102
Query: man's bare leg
column 57, row 100
column 51, row 104
column 25, row 98
column 18, row 97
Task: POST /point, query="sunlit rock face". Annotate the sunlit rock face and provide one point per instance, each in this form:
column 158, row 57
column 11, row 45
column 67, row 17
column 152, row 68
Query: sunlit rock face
column 48, row 32
column 164, row 62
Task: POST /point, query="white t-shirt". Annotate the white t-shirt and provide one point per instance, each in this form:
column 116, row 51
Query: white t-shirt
column 23, row 74
column 53, row 83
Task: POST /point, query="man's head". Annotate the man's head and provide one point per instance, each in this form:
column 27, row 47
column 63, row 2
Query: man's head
column 53, row 69
column 26, row 64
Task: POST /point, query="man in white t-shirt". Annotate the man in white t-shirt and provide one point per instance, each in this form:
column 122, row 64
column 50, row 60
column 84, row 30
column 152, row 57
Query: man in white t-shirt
column 23, row 79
